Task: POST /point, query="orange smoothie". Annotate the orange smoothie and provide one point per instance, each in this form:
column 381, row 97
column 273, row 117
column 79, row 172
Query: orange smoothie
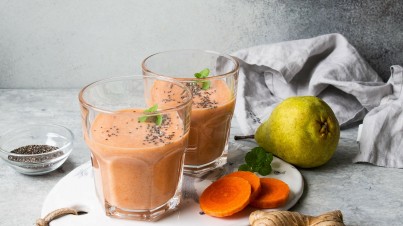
column 137, row 163
column 211, row 116
column 212, row 111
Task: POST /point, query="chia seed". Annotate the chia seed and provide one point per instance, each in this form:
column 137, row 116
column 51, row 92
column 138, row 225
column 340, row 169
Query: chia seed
column 34, row 150
column 158, row 134
column 205, row 100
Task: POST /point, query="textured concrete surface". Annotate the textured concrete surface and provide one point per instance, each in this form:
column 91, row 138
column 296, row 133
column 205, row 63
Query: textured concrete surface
column 366, row 194
column 56, row 43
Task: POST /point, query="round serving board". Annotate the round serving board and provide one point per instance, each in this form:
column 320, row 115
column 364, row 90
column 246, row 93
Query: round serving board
column 76, row 190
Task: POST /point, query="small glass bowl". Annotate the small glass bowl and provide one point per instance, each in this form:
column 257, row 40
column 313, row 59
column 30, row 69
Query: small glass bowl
column 38, row 134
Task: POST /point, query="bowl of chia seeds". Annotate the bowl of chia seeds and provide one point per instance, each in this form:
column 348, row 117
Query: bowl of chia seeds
column 36, row 149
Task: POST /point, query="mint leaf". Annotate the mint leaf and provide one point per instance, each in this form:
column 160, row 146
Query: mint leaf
column 260, row 154
column 244, row 167
column 256, row 167
column 269, row 158
column 204, row 74
column 257, row 160
column 158, row 122
column 264, row 171
column 250, row 158
column 143, row 118
column 206, row 85
column 153, row 109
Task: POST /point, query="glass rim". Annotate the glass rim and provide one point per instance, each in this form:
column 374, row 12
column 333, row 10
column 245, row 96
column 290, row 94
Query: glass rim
column 232, row 59
column 167, row 79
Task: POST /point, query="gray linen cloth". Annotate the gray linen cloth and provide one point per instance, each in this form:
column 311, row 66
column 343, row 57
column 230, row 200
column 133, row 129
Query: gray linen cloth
column 326, row 66
column 381, row 138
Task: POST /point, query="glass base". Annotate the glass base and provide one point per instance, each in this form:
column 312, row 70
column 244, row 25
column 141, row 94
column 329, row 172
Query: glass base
column 198, row 171
column 144, row 215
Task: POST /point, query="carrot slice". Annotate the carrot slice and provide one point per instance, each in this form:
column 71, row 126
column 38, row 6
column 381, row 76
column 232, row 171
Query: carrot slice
column 225, row 197
column 253, row 180
column 274, row 193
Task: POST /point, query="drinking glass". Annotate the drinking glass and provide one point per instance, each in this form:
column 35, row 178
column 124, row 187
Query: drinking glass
column 137, row 138
column 213, row 101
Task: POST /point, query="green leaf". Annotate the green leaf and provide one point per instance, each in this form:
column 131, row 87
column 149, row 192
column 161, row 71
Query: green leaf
column 143, row 118
column 206, row 85
column 256, row 167
column 269, row 157
column 204, row 74
column 267, row 164
column 158, row 122
column 264, row 171
column 153, row 109
column 244, row 167
column 250, row 158
column 258, row 160
column 260, row 154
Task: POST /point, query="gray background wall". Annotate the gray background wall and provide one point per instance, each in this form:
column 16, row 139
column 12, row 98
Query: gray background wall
column 61, row 44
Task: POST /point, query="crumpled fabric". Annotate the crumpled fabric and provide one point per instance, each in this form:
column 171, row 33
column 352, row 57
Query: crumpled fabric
column 330, row 68
column 326, row 66
column 381, row 139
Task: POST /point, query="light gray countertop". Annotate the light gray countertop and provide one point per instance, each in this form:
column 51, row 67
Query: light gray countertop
column 366, row 194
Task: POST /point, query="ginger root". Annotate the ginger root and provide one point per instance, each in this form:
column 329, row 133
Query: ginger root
column 287, row 218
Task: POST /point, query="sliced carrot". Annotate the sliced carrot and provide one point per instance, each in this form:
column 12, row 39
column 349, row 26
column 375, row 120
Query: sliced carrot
column 273, row 194
column 225, row 197
column 253, row 180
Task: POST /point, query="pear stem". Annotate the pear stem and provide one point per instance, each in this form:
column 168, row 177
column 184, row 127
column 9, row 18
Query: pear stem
column 244, row 137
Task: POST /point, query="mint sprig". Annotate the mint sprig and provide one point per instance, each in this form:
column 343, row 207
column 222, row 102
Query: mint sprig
column 257, row 160
column 153, row 109
column 158, row 121
column 204, row 74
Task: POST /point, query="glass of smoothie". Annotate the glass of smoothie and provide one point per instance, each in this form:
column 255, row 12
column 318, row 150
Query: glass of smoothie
column 212, row 78
column 137, row 138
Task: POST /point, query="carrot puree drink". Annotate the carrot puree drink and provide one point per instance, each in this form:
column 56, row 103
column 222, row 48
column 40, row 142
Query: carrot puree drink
column 137, row 140
column 212, row 78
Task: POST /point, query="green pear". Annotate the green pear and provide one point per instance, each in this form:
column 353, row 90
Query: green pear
column 301, row 130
